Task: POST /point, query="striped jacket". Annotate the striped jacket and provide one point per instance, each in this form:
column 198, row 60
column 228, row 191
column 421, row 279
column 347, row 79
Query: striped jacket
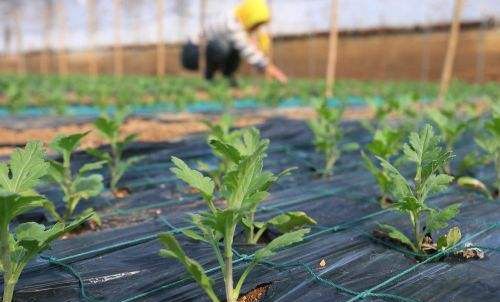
column 229, row 29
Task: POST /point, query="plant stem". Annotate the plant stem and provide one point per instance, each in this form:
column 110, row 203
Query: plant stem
column 250, row 234
column 9, row 282
column 416, row 231
column 259, row 234
column 115, row 159
column 228, row 259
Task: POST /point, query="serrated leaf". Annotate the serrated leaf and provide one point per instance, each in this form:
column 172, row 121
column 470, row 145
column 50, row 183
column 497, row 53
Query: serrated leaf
column 193, row 178
column 453, row 237
column 88, row 186
column 227, row 151
column 438, row 219
column 397, row 235
column 67, row 143
column 109, row 128
column 12, row 205
column 434, row 184
column 99, row 154
column 280, row 243
column 25, row 169
column 290, row 221
column 399, row 185
column 91, row 167
column 34, row 238
column 56, row 171
column 172, row 249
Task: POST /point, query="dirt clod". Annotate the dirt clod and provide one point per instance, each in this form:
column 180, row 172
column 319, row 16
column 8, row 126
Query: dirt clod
column 122, row 192
column 256, row 294
column 322, row 263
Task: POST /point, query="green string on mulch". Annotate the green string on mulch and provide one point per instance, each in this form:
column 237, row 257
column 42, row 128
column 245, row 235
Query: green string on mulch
column 74, row 273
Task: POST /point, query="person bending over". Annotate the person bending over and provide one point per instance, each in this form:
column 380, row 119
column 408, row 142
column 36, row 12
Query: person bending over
column 238, row 34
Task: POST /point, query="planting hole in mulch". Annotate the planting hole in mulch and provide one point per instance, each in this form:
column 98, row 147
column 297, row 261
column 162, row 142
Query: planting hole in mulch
column 468, row 253
column 256, row 294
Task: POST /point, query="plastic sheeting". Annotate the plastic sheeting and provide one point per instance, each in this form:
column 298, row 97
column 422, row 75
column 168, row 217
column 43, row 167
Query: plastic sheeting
column 122, row 264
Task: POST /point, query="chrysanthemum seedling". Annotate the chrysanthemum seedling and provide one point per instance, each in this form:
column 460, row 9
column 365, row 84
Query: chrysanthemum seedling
column 221, row 131
column 385, row 144
column 244, row 187
column 411, row 196
column 328, row 133
column 451, row 127
column 109, row 128
column 80, row 185
column 237, row 149
column 18, row 179
column 489, row 142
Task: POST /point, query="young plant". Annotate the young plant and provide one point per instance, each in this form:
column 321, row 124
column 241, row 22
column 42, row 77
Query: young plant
column 243, row 186
column 327, row 134
column 411, row 196
column 385, row 144
column 18, row 179
column 221, row 131
column 450, row 125
column 238, row 149
column 489, row 142
column 109, row 128
column 74, row 187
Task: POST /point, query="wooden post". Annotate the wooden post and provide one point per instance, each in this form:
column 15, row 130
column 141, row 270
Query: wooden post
column 160, row 44
column 20, row 58
column 117, row 48
column 62, row 60
column 203, row 42
column 332, row 49
column 450, row 52
column 44, row 54
column 91, row 30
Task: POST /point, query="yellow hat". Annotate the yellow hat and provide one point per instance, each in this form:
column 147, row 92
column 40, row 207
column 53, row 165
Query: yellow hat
column 253, row 12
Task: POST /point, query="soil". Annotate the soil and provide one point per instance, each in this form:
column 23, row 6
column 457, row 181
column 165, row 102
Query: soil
column 122, row 192
column 164, row 129
column 256, row 294
column 167, row 127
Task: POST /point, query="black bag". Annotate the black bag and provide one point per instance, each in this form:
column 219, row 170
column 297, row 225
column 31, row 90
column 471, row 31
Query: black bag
column 190, row 56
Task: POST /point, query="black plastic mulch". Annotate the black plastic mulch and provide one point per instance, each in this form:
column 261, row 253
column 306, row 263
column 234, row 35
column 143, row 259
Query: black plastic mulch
column 123, row 265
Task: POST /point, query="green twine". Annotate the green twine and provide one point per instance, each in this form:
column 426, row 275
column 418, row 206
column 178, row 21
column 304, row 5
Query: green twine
column 74, row 273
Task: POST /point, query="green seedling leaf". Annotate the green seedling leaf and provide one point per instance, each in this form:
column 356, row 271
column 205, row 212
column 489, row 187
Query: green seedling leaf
column 107, row 127
column 226, row 150
column 397, row 235
column 88, row 186
column 452, row 238
column 100, row 154
column 280, row 243
column 439, row 219
column 66, row 144
column 172, row 249
column 291, row 221
column 26, row 168
column 193, row 178
column 91, row 167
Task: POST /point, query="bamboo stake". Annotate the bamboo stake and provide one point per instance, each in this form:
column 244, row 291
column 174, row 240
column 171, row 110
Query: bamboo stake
column 160, row 46
column 62, row 60
column 19, row 56
column 332, row 49
column 202, row 42
column 450, row 52
column 91, row 29
column 117, row 49
column 44, row 55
